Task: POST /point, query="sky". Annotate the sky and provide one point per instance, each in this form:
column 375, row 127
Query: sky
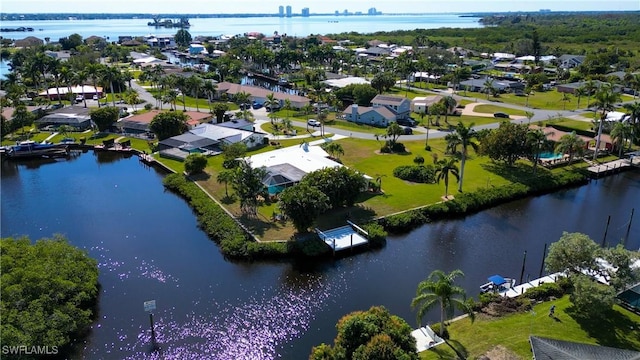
column 324, row 6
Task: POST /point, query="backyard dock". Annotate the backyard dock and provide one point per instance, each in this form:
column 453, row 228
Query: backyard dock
column 344, row 237
column 613, row 166
column 522, row 288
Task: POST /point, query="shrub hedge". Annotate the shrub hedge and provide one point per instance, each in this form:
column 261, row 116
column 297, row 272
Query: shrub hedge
column 416, row 173
column 220, row 227
column 466, row 203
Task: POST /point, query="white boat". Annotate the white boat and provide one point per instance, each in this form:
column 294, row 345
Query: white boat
column 26, row 149
column 497, row 283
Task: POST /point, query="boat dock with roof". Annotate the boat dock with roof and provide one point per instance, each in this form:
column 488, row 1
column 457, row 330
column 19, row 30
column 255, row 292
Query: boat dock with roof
column 344, row 237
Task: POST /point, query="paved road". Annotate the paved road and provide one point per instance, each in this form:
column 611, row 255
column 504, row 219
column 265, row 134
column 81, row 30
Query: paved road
column 539, row 114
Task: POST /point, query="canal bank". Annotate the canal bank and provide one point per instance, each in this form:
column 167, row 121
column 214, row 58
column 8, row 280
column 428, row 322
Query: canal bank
column 149, row 246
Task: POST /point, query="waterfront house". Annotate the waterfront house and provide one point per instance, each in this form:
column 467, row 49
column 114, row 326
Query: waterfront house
column 76, row 117
column 197, row 49
column 59, row 55
column 228, row 135
column 160, row 42
column 139, row 124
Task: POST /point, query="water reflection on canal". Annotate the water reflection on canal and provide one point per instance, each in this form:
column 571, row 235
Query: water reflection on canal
column 149, row 247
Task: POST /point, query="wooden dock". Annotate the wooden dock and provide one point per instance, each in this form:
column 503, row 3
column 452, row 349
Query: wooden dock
column 613, row 166
column 522, row 288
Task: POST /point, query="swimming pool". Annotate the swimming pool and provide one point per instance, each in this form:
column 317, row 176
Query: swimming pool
column 550, row 156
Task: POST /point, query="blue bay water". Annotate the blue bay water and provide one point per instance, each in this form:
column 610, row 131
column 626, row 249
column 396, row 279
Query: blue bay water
column 296, row 26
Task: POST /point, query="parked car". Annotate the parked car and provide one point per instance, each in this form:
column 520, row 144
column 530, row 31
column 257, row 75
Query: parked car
column 313, row 122
column 95, row 97
column 407, row 122
column 79, row 99
column 256, row 105
column 501, row 115
column 407, row 130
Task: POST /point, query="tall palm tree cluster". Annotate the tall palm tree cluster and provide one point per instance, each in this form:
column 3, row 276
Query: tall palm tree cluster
column 169, row 88
column 33, row 71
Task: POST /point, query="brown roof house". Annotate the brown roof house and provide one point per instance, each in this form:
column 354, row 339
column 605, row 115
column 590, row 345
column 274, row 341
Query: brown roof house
column 29, row 41
column 259, row 94
column 138, row 124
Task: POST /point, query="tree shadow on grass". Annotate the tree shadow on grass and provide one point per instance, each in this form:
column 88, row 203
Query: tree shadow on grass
column 445, row 351
column 260, row 225
column 609, row 328
column 228, row 199
column 338, row 217
column 201, row 176
column 519, row 173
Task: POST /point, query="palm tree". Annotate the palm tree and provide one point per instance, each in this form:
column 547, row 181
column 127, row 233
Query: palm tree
column 606, row 97
column 488, row 87
column 579, row 92
column 529, row 115
column 565, row 98
column 439, row 289
column 589, row 86
column 110, row 74
column 536, row 139
column 449, row 104
column 466, row 136
column 634, row 111
column 210, row 88
column 570, row 144
column 445, row 167
column 225, row 177
column 195, row 83
column 181, row 83
column 287, row 107
column 619, row 134
column 271, row 102
column 334, row 149
column 79, row 78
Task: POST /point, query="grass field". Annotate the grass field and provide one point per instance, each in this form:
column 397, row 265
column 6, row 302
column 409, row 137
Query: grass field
column 620, row 330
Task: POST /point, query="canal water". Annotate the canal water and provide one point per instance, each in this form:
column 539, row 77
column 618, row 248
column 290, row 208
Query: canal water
column 149, row 248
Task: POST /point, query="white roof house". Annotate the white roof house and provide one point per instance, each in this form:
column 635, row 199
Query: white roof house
column 228, row 135
column 340, row 83
column 304, row 157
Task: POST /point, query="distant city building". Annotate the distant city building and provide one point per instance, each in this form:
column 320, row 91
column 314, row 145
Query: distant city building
column 373, row 11
column 281, row 11
column 289, row 12
column 337, row 12
column 305, row 12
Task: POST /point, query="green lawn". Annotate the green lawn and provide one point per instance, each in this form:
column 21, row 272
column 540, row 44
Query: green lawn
column 490, row 109
column 620, row 329
column 548, row 100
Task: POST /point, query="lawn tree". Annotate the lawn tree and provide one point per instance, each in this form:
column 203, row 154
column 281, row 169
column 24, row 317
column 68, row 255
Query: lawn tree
column 374, row 334
column 489, row 88
column 394, row 131
column 591, row 300
column 445, row 167
column 507, row 143
column 620, row 132
column 248, row 186
column 195, row 163
column 341, row 184
column 606, row 98
column 449, row 104
column 302, row 204
column 466, row 137
column 104, row 117
column 322, row 118
column 383, row 81
column 621, row 260
column 334, row 149
column 219, row 109
column 22, row 117
column 232, row 153
column 573, row 252
column 183, row 38
column 225, row 177
column 536, row 141
column 48, row 294
column 439, row 289
column 168, row 124
column 571, row 144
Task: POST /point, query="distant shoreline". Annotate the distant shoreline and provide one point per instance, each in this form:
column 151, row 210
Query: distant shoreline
column 105, row 16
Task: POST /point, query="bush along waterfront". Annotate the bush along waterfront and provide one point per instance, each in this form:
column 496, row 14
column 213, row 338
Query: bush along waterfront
column 237, row 243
